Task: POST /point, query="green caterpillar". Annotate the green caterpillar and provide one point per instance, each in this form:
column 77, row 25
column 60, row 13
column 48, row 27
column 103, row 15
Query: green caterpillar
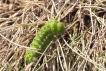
column 48, row 33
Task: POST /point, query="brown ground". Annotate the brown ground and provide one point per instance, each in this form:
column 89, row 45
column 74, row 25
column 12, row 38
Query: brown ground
column 81, row 48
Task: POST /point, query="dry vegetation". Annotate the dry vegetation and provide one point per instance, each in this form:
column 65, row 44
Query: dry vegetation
column 81, row 48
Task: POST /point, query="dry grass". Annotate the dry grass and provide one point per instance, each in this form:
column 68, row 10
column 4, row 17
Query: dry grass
column 81, row 48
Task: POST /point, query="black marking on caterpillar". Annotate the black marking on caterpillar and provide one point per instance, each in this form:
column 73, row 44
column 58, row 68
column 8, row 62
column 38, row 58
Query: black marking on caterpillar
column 48, row 33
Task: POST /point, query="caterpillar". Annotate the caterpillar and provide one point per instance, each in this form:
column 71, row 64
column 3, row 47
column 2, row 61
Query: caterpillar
column 47, row 33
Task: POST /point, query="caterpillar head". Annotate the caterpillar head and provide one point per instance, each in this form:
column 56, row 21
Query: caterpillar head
column 56, row 27
column 60, row 28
